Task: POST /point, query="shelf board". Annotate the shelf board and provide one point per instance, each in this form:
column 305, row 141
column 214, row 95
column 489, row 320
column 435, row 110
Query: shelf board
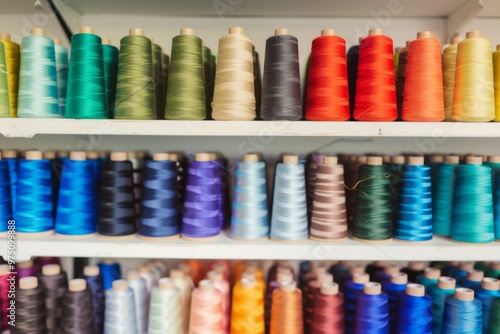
column 274, row 8
column 227, row 248
column 28, row 128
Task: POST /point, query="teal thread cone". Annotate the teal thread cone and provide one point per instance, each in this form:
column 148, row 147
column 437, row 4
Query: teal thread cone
column 495, row 178
column 38, row 96
column 62, row 75
column 135, row 83
column 110, row 63
column 443, row 199
column 472, row 205
column 86, row 97
column 186, row 84
column 4, row 85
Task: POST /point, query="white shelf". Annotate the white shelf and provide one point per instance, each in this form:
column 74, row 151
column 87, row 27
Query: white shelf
column 275, row 8
column 226, row 248
column 28, row 128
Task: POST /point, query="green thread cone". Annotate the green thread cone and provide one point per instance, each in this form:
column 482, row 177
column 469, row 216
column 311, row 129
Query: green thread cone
column 186, row 84
column 135, row 83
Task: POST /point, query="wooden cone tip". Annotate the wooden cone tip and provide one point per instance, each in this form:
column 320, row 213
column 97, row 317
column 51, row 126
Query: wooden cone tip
column 160, row 156
column 416, row 290
column 187, row 31
column 464, row 294
column 290, row 159
column 87, row 30
column 281, row 31
column 372, row 288
column 33, row 155
column 329, row 288
column 77, row 284
column 202, row 157
column 473, row 160
column 376, row 32
column 446, row 283
column 417, row 161
column 236, row 30
column 251, row 157
column 328, row 32
column 425, row 34
column 36, row 31
column 136, row 32
column 30, row 282
column 118, row 156
column 51, row 270
column 78, row 156
column 374, row 161
column 91, row 270
column 474, row 34
column 120, row 285
column 489, row 283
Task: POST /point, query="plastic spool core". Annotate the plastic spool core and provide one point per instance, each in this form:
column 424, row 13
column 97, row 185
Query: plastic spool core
column 360, row 278
column 290, row 159
column 136, row 32
column 250, row 158
column 392, row 269
column 284, row 277
column 161, row 156
column 51, row 270
column 165, row 283
column 9, row 154
column 432, row 273
column 106, row 41
column 202, row 157
column 376, row 32
column 27, row 283
column 329, row 289
column 187, row 31
column 248, row 282
column 173, row 156
column 489, row 283
column 206, row 285
column 328, row 32
column 35, row 31
column 236, row 30
column 77, row 284
column 475, row 275
column 78, row 156
column 473, row 160
column 374, row 161
column 417, row 265
column 118, row 156
column 474, row 34
column 33, row 155
column 372, row 288
column 399, row 278
column 356, row 269
column 215, row 276
column 133, row 275
column 399, row 159
column 4, row 36
column 120, row 285
column 288, row 286
column 494, row 158
column 464, row 294
column 49, row 155
column 281, row 31
column 452, row 159
column 415, row 290
column 176, row 273
column 416, row 161
column 330, row 160
column 86, row 30
column 456, row 40
column 91, row 270
column 446, row 283
column 425, row 34
column 325, row 278
column 57, row 41
column 4, row 269
column 436, row 158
